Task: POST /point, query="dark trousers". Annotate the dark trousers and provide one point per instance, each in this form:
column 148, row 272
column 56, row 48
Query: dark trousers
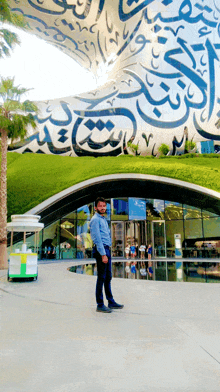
column 104, row 276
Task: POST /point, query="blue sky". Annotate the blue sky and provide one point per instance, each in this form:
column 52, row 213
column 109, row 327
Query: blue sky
column 38, row 65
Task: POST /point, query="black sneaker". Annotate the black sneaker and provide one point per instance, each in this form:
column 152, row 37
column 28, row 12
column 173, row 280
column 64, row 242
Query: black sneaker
column 103, row 309
column 115, row 306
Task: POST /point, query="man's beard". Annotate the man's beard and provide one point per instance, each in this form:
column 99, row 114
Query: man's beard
column 99, row 212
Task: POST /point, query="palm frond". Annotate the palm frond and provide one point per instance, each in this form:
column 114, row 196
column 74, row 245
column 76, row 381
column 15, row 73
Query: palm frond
column 29, row 106
column 4, row 51
column 10, row 38
column 12, row 105
column 8, row 91
column 19, row 21
column 15, row 116
column 19, row 125
column 6, row 15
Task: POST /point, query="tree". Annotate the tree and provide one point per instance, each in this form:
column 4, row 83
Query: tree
column 15, row 118
column 9, row 39
column 9, row 119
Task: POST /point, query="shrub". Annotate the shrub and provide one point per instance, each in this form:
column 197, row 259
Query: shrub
column 190, row 145
column 164, row 149
column 133, row 147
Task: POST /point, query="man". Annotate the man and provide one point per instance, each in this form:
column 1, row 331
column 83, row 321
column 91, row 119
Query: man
column 100, row 235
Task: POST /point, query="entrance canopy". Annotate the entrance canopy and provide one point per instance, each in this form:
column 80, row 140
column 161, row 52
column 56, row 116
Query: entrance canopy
column 126, row 185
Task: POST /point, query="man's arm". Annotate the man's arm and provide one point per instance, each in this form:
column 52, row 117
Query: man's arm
column 96, row 237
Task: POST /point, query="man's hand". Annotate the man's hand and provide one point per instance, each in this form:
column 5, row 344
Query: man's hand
column 104, row 259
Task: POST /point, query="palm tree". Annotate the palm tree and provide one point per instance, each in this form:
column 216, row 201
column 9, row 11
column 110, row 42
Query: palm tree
column 15, row 118
column 9, row 39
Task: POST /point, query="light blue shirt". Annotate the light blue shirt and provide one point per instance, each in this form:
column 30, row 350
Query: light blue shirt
column 100, row 233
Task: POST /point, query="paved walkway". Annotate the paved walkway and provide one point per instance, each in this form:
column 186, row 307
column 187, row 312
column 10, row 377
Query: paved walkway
column 166, row 339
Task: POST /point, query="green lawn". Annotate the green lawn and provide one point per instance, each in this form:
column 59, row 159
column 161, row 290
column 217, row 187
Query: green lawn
column 32, row 178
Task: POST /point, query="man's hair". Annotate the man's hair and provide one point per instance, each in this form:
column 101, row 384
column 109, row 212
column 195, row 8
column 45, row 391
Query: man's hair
column 100, row 199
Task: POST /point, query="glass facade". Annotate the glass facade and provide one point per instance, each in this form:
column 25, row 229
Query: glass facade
column 136, row 222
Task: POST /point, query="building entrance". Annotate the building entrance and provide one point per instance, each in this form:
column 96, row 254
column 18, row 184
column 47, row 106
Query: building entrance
column 138, row 233
column 127, row 233
column 117, row 233
column 159, row 238
column 135, row 233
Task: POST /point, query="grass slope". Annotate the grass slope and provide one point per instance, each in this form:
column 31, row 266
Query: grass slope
column 32, row 178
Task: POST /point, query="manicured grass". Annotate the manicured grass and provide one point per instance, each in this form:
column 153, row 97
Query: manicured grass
column 32, row 178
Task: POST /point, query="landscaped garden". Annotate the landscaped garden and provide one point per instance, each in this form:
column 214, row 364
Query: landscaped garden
column 33, row 178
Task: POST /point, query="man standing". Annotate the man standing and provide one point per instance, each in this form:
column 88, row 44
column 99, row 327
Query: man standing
column 101, row 237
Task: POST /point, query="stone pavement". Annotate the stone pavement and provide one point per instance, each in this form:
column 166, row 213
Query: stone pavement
column 166, row 339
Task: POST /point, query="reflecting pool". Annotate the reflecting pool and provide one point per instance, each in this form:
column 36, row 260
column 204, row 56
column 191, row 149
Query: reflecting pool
column 199, row 272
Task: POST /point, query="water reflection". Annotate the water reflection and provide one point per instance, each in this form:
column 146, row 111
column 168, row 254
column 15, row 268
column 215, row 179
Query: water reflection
column 208, row 272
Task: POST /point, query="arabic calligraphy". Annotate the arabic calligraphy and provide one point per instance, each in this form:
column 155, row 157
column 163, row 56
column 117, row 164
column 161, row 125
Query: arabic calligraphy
column 163, row 57
column 85, row 136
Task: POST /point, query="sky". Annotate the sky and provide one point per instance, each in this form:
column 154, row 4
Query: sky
column 45, row 69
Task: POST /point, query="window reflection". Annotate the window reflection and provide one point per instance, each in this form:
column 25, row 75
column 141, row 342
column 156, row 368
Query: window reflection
column 117, row 239
column 173, row 227
column 211, row 227
column 72, row 215
column 119, row 209
column 84, row 212
column 208, row 214
column 159, row 239
column 108, row 211
column 154, row 209
column 193, row 271
column 84, row 243
column 193, row 228
column 137, row 209
column 173, row 210
column 191, row 212
column 67, row 238
column 50, row 244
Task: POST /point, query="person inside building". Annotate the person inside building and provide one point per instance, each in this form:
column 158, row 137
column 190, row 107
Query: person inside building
column 142, row 251
column 149, row 251
column 133, row 251
column 127, row 251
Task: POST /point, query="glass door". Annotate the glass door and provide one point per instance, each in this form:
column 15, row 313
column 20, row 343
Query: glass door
column 135, row 234
column 118, row 239
column 159, row 240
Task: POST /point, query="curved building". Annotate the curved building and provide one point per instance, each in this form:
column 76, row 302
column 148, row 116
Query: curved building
column 161, row 59
column 162, row 62
column 142, row 209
